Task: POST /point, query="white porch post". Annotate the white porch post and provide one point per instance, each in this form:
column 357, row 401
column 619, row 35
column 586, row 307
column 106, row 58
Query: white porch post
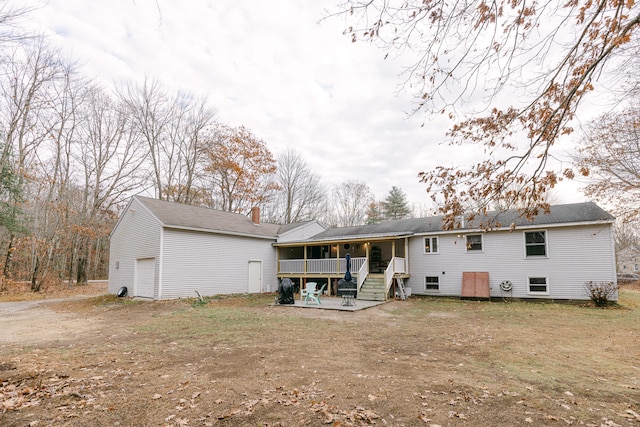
column 305, row 259
column 406, row 255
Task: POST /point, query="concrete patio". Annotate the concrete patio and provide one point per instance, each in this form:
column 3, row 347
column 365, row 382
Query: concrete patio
column 333, row 303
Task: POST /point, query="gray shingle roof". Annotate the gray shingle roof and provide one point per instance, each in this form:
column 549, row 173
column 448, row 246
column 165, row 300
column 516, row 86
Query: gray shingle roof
column 177, row 215
column 559, row 214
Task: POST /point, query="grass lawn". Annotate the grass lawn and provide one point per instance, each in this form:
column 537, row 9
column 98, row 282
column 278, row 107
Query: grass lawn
column 237, row 361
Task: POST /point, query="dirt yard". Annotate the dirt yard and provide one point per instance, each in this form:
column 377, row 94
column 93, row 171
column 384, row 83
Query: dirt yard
column 238, row 361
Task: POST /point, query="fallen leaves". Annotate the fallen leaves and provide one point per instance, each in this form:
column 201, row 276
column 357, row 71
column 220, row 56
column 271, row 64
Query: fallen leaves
column 32, row 389
column 311, row 399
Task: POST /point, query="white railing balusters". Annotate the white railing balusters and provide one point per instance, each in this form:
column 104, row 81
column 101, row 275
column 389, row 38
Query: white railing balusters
column 291, row 266
column 320, row 266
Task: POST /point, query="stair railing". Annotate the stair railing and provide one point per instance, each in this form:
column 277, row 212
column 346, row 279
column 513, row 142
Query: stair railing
column 396, row 265
column 388, row 277
column 363, row 271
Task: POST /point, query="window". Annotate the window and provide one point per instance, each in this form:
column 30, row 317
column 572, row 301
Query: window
column 538, row 285
column 430, row 245
column 535, row 243
column 432, row 283
column 474, row 242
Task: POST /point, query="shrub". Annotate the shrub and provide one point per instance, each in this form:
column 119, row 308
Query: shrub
column 600, row 292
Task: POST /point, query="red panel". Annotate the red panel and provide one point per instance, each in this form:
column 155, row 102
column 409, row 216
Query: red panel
column 475, row 284
column 482, row 284
column 468, row 284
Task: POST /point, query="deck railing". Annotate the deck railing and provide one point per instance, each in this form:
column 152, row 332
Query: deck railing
column 320, row 266
column 397, row 265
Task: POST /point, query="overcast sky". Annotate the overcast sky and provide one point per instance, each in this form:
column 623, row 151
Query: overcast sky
column 272, row 67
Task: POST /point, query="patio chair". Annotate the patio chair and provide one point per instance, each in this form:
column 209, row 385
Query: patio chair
column 314, row 295
column 311, row 287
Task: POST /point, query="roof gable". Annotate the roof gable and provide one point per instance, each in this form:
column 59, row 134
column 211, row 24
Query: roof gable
column 177, row 215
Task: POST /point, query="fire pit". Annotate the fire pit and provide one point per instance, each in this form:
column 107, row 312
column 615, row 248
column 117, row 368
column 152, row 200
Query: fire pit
column 347, row 287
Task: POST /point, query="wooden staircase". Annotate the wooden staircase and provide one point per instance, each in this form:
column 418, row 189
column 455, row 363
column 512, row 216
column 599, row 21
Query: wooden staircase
column 373, row 288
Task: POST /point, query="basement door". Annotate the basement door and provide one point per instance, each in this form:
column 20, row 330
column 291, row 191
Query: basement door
column 475, row 284
column 255, row 277
column 145, row 277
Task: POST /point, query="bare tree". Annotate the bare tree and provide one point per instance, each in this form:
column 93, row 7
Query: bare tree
column 28, row 102
column 626, row 235
column 151, row 110
column 351, row 201
column 192, row 133
column 610, row 152
column 174, row 127
column 110, row 157
column 50, row 182
column 10, row 17
column 522, row 68
column 301, row 194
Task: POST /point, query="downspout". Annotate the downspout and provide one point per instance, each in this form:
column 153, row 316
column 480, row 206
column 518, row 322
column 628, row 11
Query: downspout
column 613, row 259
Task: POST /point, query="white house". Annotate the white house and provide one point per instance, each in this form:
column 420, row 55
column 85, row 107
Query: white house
column 165, row 250
column 551, row 257
column 629, row 260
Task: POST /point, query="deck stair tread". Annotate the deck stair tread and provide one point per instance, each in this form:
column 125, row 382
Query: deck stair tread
column 373, row 288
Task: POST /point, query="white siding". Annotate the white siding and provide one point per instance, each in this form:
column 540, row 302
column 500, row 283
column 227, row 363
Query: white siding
column 213, row 264
column 576, row 255
column 136, row 236
column 303, row 232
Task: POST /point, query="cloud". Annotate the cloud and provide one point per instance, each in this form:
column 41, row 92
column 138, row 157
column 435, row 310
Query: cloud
column 272, row 67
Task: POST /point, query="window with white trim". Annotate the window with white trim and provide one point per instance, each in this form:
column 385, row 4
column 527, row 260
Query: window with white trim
column 431, row 283
column 430, row 245
column 538, row 285
column 473, row 242
column 535, row 243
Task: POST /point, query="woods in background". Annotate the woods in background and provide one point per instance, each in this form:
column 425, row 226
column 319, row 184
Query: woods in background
column 72, row 153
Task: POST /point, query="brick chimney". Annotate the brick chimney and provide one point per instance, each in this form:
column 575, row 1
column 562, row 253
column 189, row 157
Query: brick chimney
column 255, row 215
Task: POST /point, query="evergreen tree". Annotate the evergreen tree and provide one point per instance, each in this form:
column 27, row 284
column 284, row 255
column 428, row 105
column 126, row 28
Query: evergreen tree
column 395, row 206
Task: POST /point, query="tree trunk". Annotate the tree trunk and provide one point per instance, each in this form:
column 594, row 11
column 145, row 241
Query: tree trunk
column 8, row 257
column 81, row 276
column 35, row 285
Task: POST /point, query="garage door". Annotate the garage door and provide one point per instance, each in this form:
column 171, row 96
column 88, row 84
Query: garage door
column 145, row 277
